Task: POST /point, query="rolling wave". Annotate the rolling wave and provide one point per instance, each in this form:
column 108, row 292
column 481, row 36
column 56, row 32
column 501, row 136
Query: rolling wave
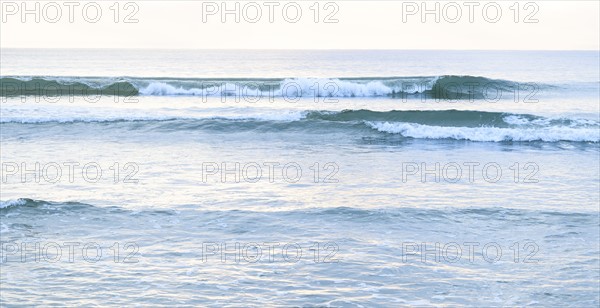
column 31, row 203
column 340, row 212
column 493, row 134
column 443, row 87
column 434, row 124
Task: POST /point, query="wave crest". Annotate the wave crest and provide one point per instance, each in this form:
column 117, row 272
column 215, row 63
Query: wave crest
column 432, row 124
column 442, row 87
column 490, row 134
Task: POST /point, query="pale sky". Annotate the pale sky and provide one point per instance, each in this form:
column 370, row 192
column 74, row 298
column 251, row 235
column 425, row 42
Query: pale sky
column 361, row 25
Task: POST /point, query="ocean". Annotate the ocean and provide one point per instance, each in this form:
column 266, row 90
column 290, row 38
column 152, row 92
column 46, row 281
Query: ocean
column 354, row 178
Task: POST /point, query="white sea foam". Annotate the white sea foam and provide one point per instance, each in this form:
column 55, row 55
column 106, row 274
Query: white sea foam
column 290, row 88
column 494, row 134
column 321, row 87
column 165, row 89
column 12, row 202
column 515, row 120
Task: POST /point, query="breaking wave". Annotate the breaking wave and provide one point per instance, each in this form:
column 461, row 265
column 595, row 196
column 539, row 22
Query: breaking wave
column 434, row 124
column 443, row 87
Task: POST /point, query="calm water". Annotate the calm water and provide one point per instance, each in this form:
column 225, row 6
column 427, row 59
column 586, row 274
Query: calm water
column 304, row 178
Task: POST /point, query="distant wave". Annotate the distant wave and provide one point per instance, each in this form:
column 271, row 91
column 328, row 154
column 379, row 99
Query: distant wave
column 444, row 87
column 31, row 203
column 343, row 212
column 495, row 134
column 58, row 86
column 44, row 207
column 14, row 203
column 435, row 124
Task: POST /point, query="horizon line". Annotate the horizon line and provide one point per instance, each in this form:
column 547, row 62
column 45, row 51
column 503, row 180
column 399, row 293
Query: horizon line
column 295, row 49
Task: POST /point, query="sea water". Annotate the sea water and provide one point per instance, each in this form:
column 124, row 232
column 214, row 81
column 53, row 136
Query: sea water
column 305, row 178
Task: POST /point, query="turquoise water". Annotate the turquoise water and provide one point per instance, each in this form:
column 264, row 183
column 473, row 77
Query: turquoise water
column 303, row 178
